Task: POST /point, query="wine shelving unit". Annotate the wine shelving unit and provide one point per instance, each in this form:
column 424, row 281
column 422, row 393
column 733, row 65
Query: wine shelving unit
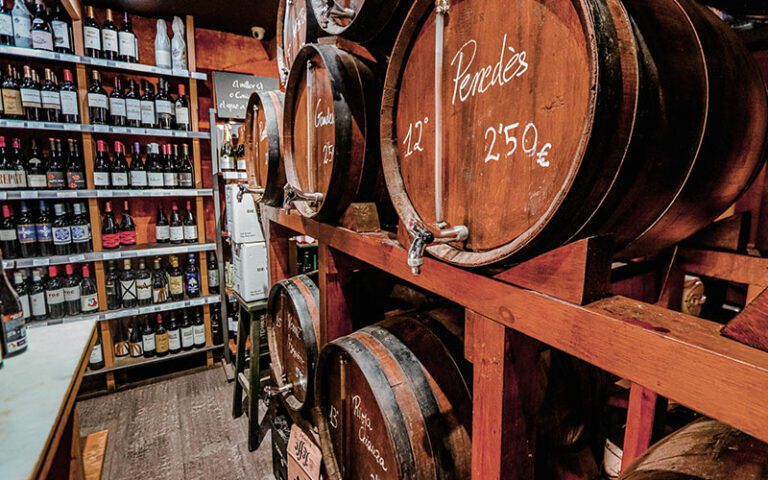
column 89, row 133
column 128, row 362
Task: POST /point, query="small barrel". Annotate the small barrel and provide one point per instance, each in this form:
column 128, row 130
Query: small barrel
column 360, row 20
column 331, row 130
column 263, row 130
column 296, row 27
column 703, row 450
column 292, row 322
column 394, row 401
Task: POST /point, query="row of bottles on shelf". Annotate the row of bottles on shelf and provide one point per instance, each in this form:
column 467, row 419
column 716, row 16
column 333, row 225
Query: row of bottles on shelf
column 46, row 29
column 56, row 296
column 231, row 153
column 130, row 107
column 32, row 98
column 56, row 168
column 177, row 230
column 170, row 169
column 37, row 233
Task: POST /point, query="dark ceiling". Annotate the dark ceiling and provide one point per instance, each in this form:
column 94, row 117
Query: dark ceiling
column 235, row 16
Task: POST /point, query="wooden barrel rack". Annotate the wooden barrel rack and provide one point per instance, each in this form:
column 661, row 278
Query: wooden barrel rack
column 263, row 131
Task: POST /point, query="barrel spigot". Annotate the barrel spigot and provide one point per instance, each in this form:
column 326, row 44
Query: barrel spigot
column 272, row 391
column 423, row 238
column 243, row 189
column 292, row 195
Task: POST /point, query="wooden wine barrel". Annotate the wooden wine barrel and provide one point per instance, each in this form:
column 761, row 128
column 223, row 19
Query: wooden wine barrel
column 360, row 20
column 292, row 323
column 296, row 27
column 330, row 134
column 394, row 402
column 703, row 450
column 263, row 130
column 558, row 120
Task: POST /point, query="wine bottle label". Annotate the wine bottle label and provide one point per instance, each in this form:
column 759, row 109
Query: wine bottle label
column 97, row 100
column 126, row 41
column 174, row 339
column 193, row 283
column 187, row 337
column 136, row 349
column 185, row 180
column 21, row 179
column 182, row 115
column 92, row 38
column 138, row 178
column 109, row 40
column 148, row 342
column 155, row 179
column 227, row 162
column 44, row 232
column 128, row 290
column 163, row 58
column 51, row 100
column 213, row 277
column 22, row 31
column 80, row 233
column 89, row 302
column 6, row 25
column 176, row 285
column 15, row 332
column 133, row 109
column 7, row 178
column 68, row 102
column 8, row 235
column 1, row 104
column 232, row 324
column 170, row 179
column 144, row 288
column 161, row 342
column 72, row 294
column 159, row 294
column 30, row 98
column 177, row 234
column 38, row 304
column 75, row 180
column 12, row 102
column 56, row 180
column 101, row 179
column 241, row 164
column 117, row 107
column 42, row 40
column 162, row 233
column 199, row 334
column 26, row 310
column 62, row 236
column 110, row 240
column 55, row 297
column 128, row 238
column 147, row 112
column 61, row 34
column 119, row 179
column 26, row 233
column 163, row 107
column 96, row 355
column 190, row 232
column 37, row 180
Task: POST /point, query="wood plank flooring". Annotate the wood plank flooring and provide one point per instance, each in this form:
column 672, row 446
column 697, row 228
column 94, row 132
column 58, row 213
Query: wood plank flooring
column 176, row 429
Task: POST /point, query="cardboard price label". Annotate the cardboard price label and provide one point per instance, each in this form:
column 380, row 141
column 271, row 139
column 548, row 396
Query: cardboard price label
column 304, row 457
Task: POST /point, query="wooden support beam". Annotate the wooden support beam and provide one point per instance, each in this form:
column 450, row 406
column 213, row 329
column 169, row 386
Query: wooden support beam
column 643, row 417
column 335, row 316
column 730, row 233
column 733, row 267
column 751, row 325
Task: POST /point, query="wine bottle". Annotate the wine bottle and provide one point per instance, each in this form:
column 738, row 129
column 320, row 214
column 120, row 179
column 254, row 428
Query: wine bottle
column 30, row 96
column 192, row 277
column 174, row 334
column 22, row 290
column 127, row 227
column 119, row 168
column 54, row 294
column 148, row 339
column 89, row 298
column 37, row 297
column 127, row 40
column 42, row 33
column 75, row 168
column 25, row 230
column 81, row 230
column 162, row 46
column 148, row 105
column 110, row 231
column 101, row 166
column 72, row 292
column 14, row 328
column 176, row 226
column 56, row 176
column 187, row 332
column 182, row 110
column 44, row 230
column 155, row 174
column 36, row 168
column 161, row 338
column 6, row 24
column 98, row 106
column 227, row 152
column 175, row 280
column 19, row 165
column 109, row 45
column 120, row 341
column 138, row 176
column 9, row 244
column 231, row 324
column 143, row 284
column 135, row 340
column 62, row 232
column 159, row 283
column 11, row 93
column 112, row 286
column 186, row 170
column 96, row 360
column 128, row 293
column 91, row 34
column 190, row 225
column 132, row 105
column 213, row 273
column 198, row 330
column 50, row 98
column 163, row 106
column 70, row 110
column 62, row 31
column 170, row 173
column 216, row 329
column 117, row 106
column 162, row 228
column 7, row 175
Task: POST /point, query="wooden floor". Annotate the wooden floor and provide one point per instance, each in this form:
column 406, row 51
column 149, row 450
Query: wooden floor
column 175, row 429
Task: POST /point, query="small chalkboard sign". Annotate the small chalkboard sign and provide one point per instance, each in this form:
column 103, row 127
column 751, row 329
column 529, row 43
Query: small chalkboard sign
column 232, row 91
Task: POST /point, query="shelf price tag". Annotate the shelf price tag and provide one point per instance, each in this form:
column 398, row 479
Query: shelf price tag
column 77, row 258
column 67, row 194
column 110, row 255
column 101, row 128
column 39, row 262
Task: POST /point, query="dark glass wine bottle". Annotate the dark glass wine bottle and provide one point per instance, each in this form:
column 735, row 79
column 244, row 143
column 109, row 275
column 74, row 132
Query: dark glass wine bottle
column 159, row 283
column 119, row 168
column 98, row 105
column 75, row 167
column 6, row 25
column 148, row 119
column 134, row 341
column 170, row 172
column 110, row 230
column 54, row 294
column 91, row 34
column 161, row 338
column 163, row 106
column 213, row 272
column 174, row 334
column 81, row 230
column 112, row 286
column 7, row 175
column 187, row 331
column 9, row 243
column 117, row 107
column 37, row 177
column 143, row 284
column 44, row 230
column 198, row 329
column 56, row 176
column 176, row 226
column 18, row 165
column 89, row 298
column 50, row 99
column 22, row 290
column 109, row 45
column 175, row 280
column 133, row 105
column 148, row 339
column 37, row 301
column 101, row 166
column 162, row 227
column 13, row 108
column 62, row 31
column 190, row 225
column 217, row 335
column 186, row 170
column 96, row 360
column 181, row 106
column 62, row 232
column 70, row 110
column 14, row 334
column 127, row 40
column 155, row 173
column 128, row 294
column 42, row 33
column 30, row 96
column 25, row 230
column 120, row 340
column 138, row 177
column 127, row 227
column 192, row 277
column 72, row 289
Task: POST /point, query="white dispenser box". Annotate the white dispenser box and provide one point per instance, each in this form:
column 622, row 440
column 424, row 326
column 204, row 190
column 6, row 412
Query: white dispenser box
column 251, row 278
column 243, row 223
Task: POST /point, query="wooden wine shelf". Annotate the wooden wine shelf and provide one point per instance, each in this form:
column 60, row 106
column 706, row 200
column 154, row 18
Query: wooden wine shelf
column 101, row 129
column 126, row 193
column 128, row 362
